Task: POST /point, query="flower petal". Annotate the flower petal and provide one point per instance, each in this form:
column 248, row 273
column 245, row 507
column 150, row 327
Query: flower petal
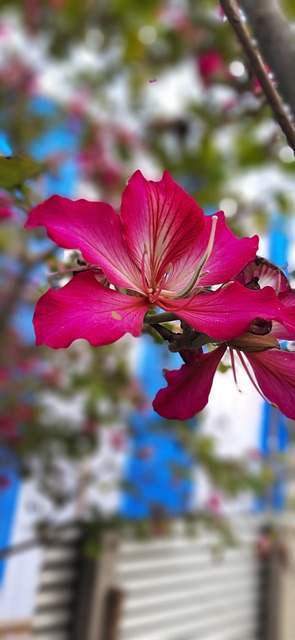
column 189, row 387
column 83, row 308
column 228, row 256
column 275, row 374
column 286, row 332
column 92, row 227
column 160, row 220
column 229, row 253
column 260, row 273
column 226, row 313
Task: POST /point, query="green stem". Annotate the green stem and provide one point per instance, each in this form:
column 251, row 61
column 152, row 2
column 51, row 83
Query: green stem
column 160, row 317
column 200, row 341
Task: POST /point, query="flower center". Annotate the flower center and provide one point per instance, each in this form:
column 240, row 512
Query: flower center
column 154, row 295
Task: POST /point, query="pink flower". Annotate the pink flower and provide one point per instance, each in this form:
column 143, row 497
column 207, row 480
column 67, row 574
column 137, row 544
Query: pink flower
column 214, row 504
column 5, row 206
column 159, row 251
column 118, row 440
column 211, row 66
column 271, row 371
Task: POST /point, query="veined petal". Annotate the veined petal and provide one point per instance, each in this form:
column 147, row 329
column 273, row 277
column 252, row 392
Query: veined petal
column 159, row 220
column 226, row 313
column 286, row 332
column 260, row 273
column 189, row 387
column 228, row 256
column 275, row 374
column 93, row 228
column 83, row 308
column 229, row 253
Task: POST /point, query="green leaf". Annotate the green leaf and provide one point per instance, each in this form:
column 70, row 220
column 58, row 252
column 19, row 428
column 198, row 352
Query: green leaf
column 14, row 171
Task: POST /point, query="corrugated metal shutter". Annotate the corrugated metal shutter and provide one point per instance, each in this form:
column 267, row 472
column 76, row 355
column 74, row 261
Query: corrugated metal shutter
column 176, row 588
column 179, row 588
column 58, row 587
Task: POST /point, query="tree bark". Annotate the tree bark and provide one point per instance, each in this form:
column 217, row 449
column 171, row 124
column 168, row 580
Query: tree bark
column 276, row 39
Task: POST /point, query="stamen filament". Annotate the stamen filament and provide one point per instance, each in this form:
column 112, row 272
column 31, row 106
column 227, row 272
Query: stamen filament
column 203, row 261
column 233, row 364
column 143, row 277
column 60, row 274
column 254, row 381
column 155, row 297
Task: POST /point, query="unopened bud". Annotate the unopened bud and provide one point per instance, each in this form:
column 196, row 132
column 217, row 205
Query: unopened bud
column 260, row 327
column 251, row 343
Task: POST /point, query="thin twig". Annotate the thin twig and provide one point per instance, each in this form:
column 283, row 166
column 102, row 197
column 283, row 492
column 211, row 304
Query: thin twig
column 258, row 66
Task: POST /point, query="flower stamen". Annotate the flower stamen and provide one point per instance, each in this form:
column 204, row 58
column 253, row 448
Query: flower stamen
column 254, row 381
column 153, row 298
column 233, row 364
column 146, row 289
column 198, row 273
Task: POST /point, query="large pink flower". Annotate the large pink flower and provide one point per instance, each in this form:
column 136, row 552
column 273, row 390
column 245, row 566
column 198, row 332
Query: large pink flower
column 159, row 251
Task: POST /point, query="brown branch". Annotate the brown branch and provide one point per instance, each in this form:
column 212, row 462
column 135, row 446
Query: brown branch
column 258, row 66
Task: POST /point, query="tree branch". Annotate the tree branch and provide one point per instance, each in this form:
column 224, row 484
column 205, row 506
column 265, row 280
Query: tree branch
column 258, row 66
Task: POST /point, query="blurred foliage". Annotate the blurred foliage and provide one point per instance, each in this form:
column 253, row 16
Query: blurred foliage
column 108, row 66
column 15, row 171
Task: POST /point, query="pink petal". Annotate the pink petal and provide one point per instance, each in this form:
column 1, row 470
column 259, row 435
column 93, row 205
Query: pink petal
column 6, row 204
column 92, row 227
column 228, row 256
column 229, row 253
column 5, row 213
column 83, row 308
column 189, row 387
column 160, row 219
column 226, row 313
column 275, row 374
column 286, row 332
column 265, row 273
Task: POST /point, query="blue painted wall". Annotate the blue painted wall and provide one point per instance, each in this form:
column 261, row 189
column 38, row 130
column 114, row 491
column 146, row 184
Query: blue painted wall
column 274, row 432
column 54, row 140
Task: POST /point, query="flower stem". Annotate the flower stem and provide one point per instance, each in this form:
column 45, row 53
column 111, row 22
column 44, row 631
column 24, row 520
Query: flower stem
column 160, row 317
column 200, row 341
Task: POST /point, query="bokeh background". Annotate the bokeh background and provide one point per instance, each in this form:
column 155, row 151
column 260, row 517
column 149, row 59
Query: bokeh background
column 90, row 92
